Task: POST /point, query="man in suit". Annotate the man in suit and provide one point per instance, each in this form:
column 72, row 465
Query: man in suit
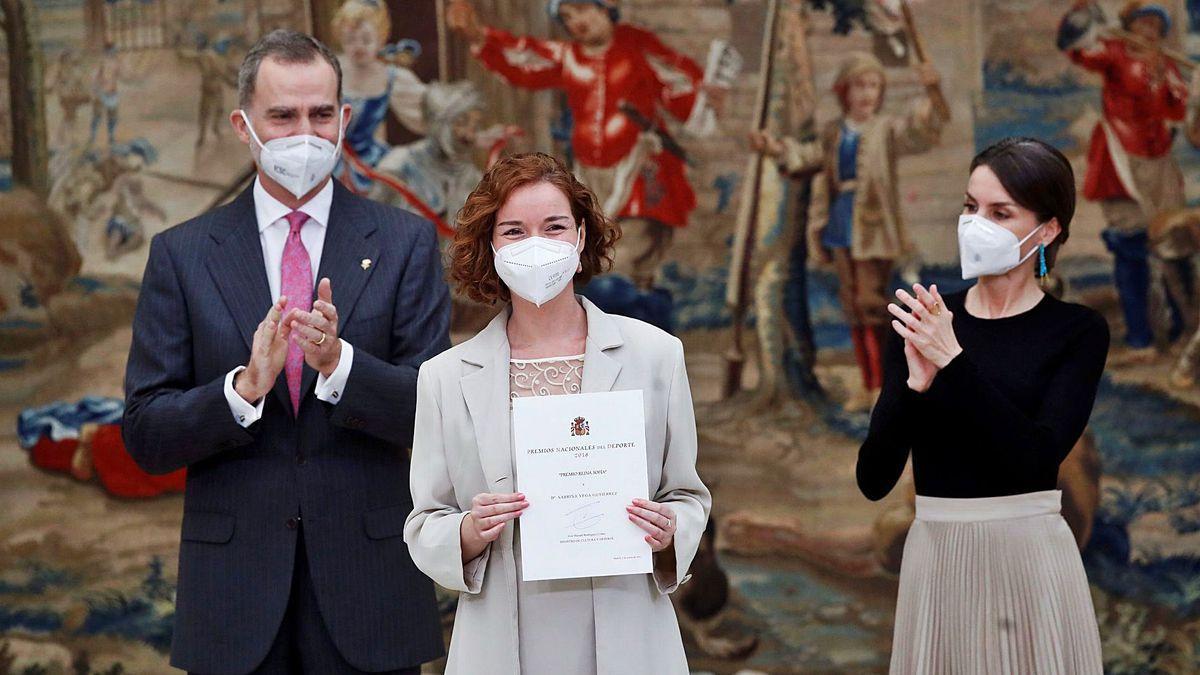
column 291, row 415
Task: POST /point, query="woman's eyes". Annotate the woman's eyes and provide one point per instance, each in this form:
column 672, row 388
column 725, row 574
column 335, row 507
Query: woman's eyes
column 996, row 215
column 553, row 228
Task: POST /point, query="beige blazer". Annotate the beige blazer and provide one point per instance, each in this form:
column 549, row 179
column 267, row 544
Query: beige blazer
column 461, row 448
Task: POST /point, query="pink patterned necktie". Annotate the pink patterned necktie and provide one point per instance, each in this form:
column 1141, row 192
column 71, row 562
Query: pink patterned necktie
column 296, row 282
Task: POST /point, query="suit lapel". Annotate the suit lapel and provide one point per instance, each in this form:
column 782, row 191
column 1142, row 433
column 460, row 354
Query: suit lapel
column 347, row 244
column 240, row 273
column 238, row 268
column 486, row 394
column 236, row 265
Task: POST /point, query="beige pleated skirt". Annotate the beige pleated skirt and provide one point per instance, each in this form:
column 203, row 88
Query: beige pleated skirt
column 993, row 585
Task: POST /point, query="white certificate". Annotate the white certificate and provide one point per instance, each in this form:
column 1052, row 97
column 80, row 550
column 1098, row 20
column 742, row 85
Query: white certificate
column 580, row 460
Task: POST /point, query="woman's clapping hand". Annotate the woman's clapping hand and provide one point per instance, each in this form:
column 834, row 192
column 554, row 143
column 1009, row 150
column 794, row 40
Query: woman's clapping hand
column 928, row 331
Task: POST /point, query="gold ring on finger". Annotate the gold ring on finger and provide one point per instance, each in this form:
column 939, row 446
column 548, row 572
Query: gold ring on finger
column 322, row 340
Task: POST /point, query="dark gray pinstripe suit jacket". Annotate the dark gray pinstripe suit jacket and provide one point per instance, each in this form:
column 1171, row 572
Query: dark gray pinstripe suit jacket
column 343, row 468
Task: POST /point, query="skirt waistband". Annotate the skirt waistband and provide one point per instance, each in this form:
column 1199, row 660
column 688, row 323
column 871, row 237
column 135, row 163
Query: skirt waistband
column 941, row 509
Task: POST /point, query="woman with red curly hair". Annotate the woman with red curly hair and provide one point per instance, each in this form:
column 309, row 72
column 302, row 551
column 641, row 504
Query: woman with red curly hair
column 526, row 236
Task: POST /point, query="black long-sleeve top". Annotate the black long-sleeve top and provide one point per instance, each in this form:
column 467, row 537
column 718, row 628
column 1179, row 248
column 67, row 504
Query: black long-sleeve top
column 1001, row 416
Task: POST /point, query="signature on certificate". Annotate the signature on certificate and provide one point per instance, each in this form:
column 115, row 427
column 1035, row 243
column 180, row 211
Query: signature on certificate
column 584, row 517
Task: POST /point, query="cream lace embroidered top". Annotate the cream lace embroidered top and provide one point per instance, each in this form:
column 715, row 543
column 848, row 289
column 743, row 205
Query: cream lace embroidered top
column 545, row 377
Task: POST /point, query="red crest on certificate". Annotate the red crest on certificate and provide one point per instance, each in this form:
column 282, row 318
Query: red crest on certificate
column 579, row 427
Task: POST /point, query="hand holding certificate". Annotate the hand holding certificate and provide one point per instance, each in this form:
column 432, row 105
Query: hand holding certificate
column 581, row 463
column 489, row 513
column 658, row 520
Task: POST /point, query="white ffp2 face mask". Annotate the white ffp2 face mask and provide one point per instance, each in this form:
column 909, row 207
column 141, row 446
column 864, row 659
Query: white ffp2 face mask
column 986, row 249
column 537, row 269
column 298, row 163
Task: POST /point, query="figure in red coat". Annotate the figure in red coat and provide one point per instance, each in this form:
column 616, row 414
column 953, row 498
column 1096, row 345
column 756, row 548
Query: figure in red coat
column 1131, row 172
column 618, row 80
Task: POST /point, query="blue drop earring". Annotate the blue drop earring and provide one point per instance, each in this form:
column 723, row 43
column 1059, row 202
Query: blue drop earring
column 1042, row 271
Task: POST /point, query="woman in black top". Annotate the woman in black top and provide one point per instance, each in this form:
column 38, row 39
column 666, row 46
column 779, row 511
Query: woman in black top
column 989, row 389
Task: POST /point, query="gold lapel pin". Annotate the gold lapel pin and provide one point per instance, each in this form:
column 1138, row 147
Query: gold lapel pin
column 366, row 263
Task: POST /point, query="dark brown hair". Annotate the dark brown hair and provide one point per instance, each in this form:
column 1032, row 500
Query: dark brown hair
column 1038, row 177
column 472, row 270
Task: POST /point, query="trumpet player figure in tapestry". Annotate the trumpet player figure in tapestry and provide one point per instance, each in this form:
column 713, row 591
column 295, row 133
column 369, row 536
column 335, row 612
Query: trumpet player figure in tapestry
column 617, row 78
column 1130, row 170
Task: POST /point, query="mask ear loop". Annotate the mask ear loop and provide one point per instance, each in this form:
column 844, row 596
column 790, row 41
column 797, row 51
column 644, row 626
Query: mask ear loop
column 341, row 129
column 579, row 248
column 250, row 128
column 1029, row 236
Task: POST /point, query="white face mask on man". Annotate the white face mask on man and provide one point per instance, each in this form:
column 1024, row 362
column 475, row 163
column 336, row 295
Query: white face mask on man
column 298, row 163
column 536, row 268
column 986, row 249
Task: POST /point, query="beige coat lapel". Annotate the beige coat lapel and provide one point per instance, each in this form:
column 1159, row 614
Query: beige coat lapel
column 486, row 393
column 486, row 388
column 600, row 370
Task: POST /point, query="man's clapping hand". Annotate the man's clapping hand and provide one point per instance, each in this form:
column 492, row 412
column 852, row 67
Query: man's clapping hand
column 267, row 355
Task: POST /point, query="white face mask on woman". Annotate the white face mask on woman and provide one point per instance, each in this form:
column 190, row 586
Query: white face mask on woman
column 986, row 249
column 537, row 269
column 298, row 163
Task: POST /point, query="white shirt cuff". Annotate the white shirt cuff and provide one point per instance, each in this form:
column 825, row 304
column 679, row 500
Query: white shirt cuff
column 331, row 389
column 243, row 413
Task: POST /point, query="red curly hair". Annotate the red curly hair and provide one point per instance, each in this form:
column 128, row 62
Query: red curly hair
column 472, row 269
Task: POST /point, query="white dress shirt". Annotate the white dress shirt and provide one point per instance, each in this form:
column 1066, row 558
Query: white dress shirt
column 273, row 233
